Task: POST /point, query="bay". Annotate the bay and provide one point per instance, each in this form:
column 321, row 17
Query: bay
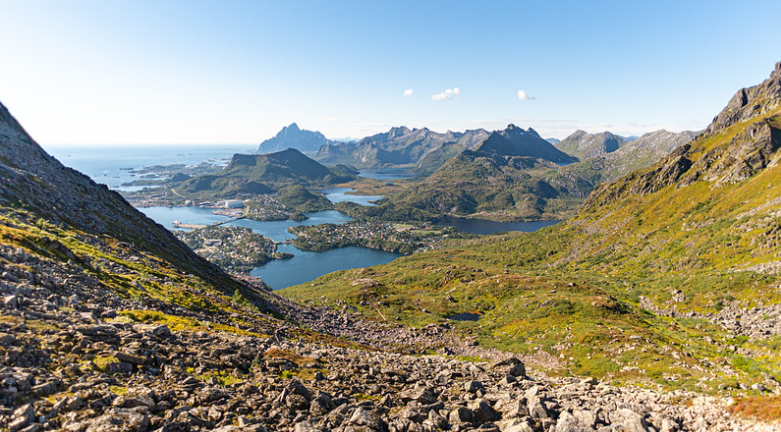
column 340, row 194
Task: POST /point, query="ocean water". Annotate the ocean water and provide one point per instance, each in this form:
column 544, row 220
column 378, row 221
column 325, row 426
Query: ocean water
column 110, row 164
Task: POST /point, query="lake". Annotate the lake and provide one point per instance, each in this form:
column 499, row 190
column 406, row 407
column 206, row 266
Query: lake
column 386, row 173
column 338, row 194
column 483, row 227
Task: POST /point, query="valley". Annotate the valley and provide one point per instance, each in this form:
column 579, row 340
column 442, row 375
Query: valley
column 653, row 307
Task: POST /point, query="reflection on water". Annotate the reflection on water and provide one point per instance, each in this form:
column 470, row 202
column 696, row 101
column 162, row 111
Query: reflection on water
column 304, row 266
column 483, row 227
column 307, row 266
column 386, row 173
column 338, row 194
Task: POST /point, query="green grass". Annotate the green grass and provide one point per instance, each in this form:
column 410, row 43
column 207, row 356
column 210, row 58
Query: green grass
column 573, row 290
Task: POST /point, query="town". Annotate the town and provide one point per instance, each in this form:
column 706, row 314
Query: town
column 392, row 237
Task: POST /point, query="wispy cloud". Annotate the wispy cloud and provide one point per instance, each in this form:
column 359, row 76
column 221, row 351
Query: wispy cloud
column 522, row 95
column 408, row 92
column 447, row 94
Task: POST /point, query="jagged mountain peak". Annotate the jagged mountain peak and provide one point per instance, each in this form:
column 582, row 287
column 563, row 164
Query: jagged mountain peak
column 294, row 137
column 750, row 102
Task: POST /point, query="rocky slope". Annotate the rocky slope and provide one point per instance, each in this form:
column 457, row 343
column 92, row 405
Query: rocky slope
column 583, row 145
column 292, row 137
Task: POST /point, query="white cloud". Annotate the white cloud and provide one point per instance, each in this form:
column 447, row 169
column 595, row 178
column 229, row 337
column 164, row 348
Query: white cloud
column 408, row 92
column 522, row 95
column 325, row 119
column 447, row 94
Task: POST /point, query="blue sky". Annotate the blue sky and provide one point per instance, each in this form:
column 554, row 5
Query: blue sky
column 109, row 72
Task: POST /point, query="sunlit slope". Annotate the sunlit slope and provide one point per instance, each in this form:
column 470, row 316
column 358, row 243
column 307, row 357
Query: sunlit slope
column 639, row 285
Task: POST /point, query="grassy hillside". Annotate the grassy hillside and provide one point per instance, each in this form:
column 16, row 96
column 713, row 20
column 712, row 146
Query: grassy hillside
column 249, row 175
column 666, row 277
column 489, row 183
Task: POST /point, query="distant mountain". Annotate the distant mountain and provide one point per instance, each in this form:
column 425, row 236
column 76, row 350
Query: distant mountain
column 436, row 158
column 580, row 179
column 553, row 141
column 584, row 145
column 501, row 178
column 515, row 141
column 398, row 146
column 292, row 137
column 248, row 175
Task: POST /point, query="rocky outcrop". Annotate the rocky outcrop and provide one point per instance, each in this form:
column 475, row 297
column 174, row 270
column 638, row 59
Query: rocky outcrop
column 749, row 103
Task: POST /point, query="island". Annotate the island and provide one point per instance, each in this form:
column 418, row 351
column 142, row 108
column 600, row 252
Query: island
column 234, row 249
column 403, row 239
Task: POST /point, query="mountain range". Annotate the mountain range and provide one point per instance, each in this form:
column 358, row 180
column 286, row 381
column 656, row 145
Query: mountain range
column 655, row 308
column 506, row 179
column 398, row 146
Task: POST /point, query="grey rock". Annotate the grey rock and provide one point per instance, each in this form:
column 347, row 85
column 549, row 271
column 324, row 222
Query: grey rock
column 120, row 420
column 536, row 408
column 461, row 415
column 483, row 412
column 473, row 386
column 424, row 395
column 629, row 420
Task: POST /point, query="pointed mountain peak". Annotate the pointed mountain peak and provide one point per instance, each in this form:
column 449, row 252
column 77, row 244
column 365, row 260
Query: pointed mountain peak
column 533, row 132
column 294, row 137
column 750, row 102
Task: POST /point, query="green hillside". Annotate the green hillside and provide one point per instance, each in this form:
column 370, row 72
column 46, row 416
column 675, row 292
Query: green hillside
column 666, row 277
column 249, row 175
column 495, row 182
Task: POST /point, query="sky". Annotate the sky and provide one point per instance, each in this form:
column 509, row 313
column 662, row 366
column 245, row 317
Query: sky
column 96, row 72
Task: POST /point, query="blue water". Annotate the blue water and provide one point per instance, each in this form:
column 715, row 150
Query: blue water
column 304, row 266
column 338, row 194
column 386, row 173
column 483, row 227
column 307, row 266
column 108, row 164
